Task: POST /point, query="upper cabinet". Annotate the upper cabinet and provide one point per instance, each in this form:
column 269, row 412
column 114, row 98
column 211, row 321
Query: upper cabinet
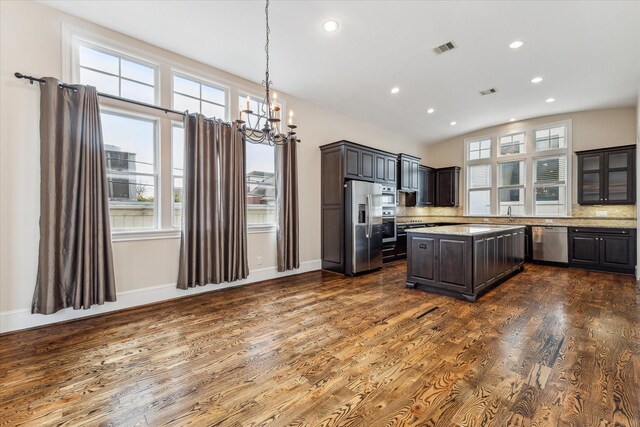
column 447, row 186
column 408, row 172
column 366, row 164
column 607, row 176
column 425, row 196
column 359, row 163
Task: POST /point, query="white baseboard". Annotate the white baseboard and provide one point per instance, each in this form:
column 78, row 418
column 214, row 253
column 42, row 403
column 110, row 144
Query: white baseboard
column 22, row 319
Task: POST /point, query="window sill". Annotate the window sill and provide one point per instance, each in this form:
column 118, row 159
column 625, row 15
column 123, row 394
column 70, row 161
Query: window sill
column 126, row 236
column 261, row 228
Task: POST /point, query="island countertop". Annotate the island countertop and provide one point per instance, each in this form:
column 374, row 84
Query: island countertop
column 465, row 229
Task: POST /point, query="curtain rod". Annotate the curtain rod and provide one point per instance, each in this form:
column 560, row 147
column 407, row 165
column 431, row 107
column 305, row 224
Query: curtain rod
column 106, row 95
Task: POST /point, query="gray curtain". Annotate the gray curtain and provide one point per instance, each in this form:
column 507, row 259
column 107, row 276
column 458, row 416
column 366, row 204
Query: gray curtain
column 213, row 241
column 75, row 265
column 287, row 234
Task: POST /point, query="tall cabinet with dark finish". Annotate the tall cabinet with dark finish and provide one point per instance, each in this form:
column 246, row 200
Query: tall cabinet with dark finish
column 408, row 166
column 607, row 176
column 447, row 186
column 425, row 196
column 342, row 161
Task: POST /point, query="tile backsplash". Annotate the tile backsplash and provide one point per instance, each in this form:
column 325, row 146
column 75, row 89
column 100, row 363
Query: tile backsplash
column 614, row 212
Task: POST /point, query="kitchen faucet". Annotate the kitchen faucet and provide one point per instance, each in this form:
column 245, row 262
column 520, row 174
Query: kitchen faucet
column 509, row 213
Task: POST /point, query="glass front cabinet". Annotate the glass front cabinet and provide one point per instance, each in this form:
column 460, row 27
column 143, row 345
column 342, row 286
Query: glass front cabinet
column 607, row 176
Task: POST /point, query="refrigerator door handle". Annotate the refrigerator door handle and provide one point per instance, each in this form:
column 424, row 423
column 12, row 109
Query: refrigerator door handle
column 370, row 211
column 367, row 216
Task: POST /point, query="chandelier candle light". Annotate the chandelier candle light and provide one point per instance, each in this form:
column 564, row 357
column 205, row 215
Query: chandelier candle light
column 269, row 112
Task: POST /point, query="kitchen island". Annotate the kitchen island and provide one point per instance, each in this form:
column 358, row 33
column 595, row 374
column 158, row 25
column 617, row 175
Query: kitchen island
column 463, row 260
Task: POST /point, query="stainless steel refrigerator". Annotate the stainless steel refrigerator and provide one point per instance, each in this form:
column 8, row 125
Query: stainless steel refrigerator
column 363, row 222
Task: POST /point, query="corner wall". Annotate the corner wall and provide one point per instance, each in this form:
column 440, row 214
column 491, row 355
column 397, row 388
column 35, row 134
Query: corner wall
column 146, row 270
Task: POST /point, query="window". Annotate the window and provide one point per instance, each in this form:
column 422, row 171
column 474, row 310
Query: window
column 480, row 149
column 261, row 189
column 479, row 184
column 116, row 74
column 512, row 144
column 130, row 148
column 550, row 186
column 526, row 173
column 551, row 138
column 197, row 96
column 177, row 173
column 511, row 187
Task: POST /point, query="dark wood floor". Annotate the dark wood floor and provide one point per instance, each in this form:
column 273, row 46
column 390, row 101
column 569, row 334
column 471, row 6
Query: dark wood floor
column 551, row 346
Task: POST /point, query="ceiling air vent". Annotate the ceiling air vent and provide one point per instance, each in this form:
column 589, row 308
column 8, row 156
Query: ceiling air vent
column 487, row 92
column 443, row 48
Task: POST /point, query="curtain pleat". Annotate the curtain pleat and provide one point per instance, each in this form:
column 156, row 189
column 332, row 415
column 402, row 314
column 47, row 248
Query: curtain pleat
column 75, row 262
column 213, row 240
column 287, row 235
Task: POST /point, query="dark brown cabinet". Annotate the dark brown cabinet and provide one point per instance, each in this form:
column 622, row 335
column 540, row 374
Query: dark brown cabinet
column 425, row 196
column 359, row 164
column 385, row 169
column 606, row 249
column 607, row 176
column 447, row 186
column 463, row 265
column 408, row 172
column 342, row 161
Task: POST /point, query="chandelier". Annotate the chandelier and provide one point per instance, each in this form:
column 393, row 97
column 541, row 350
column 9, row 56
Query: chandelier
column 268, row 113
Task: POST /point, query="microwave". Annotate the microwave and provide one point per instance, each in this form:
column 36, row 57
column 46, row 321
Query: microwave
column 389, row 196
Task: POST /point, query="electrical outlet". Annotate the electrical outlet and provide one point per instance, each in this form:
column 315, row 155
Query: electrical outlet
column 548, row 221
column 602, row 213
column 259, row 260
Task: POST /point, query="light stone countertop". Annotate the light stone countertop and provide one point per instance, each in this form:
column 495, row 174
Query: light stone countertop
column 465, row 230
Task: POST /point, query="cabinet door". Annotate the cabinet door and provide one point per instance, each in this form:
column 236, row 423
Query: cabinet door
column 368, row 165
column 352, row 167
column 591, row 178
column 429, row 193
column 414, row 175
column 618, row 177
column 492, row 258
column 617, row 251
column 420, row 194
column 405, row 174
column 422, row 261
column 584, row 249
column 443, row 190
column 381, row 172
column 501, row 254
column 391, row 171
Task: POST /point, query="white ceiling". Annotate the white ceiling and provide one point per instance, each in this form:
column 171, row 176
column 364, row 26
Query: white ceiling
column 588, row 53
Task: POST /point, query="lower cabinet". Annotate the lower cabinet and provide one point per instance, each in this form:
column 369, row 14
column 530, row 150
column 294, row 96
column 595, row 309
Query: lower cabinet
column 389, row 251
column 463, row 265
column 603, row 249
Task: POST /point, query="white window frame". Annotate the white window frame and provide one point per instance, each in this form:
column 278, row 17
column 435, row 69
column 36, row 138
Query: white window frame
column 77, row 42
column 480, row 149
column 510, row 135
column 522, row 185
column 201, row 81
column 529, row 155
column 475, row 189
column 157, row 197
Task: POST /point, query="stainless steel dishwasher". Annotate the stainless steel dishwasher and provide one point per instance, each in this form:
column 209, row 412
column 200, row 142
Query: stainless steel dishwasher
column 550, row 244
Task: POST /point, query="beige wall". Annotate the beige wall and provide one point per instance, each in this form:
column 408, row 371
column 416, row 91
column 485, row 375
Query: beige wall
column 32, row 43
column 590, row 129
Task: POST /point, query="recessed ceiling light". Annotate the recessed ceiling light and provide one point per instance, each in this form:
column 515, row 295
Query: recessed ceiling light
column 330, row 26
column 452, row 123
column 395, row 90
column 430, row 111
column 536, row 80
column 516, row 44
column 512, row 119
column 550, row 100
